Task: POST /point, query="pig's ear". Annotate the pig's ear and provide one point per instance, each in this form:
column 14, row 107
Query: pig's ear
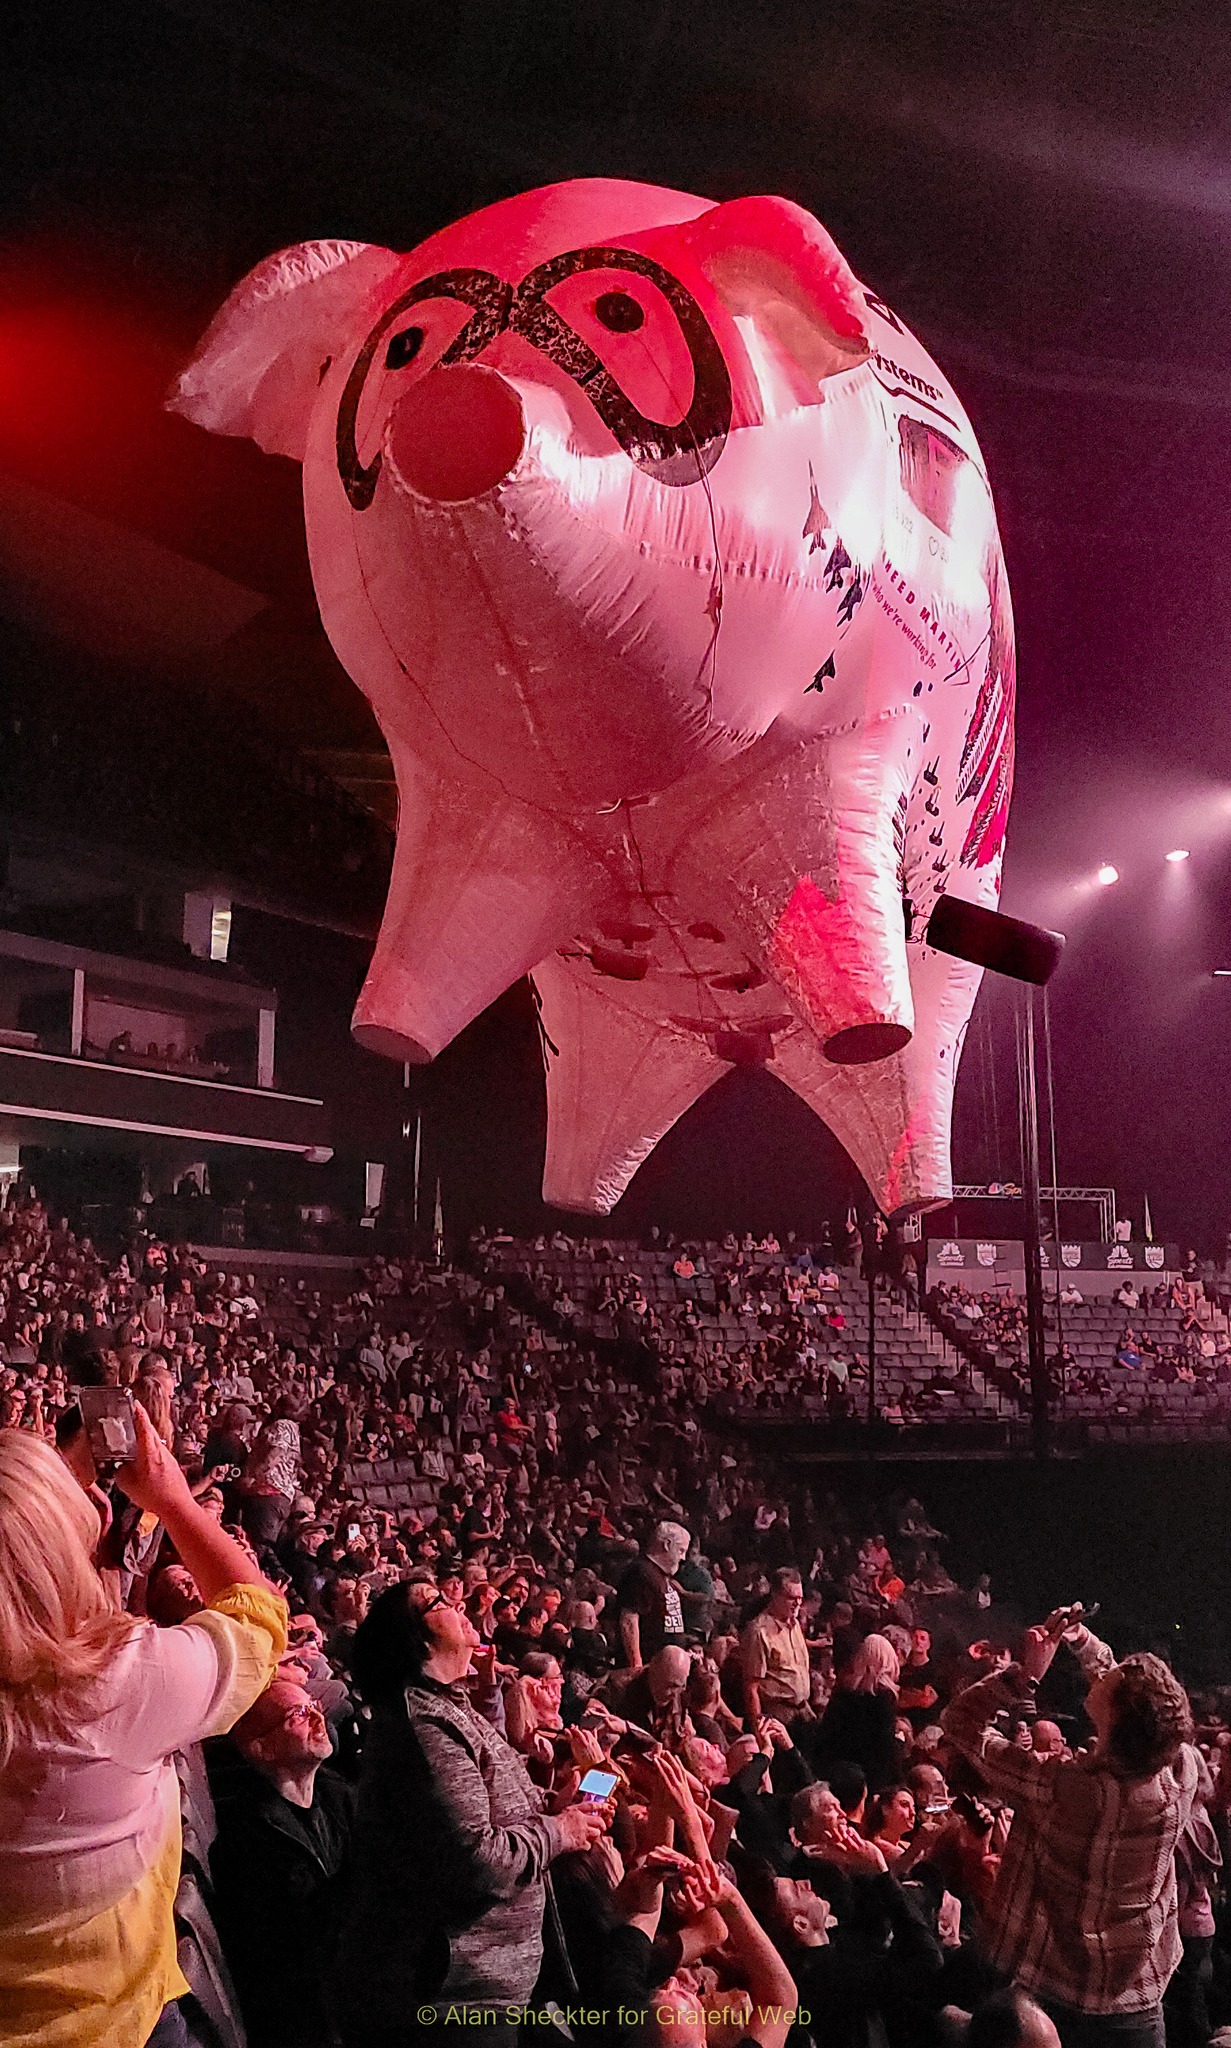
column 769, row 259
column 259, row 367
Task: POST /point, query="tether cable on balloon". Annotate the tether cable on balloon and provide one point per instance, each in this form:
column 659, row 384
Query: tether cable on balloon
column 1055, row 1190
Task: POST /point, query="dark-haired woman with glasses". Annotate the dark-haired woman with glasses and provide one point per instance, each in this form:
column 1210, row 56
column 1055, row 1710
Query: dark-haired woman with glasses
column 452, row 1841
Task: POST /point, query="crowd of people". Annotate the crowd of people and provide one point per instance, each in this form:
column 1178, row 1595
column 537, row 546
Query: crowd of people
column 1174, row 1334
column 122, row 1049
column 605, row 1731
column 757, row 1327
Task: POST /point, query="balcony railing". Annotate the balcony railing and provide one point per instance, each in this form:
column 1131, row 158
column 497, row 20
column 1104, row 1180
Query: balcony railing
column 99, row 1041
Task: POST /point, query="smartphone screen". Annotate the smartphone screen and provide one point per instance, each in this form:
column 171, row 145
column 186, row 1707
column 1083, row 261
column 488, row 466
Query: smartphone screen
column 110, row 1426
column 597, row 1786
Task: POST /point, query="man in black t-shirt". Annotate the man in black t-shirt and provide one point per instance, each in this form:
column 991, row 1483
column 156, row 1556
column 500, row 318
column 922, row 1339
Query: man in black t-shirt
column 919, row 1695
column 648, row 1606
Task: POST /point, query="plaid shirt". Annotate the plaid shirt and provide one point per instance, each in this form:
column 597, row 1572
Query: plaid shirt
column 1084, row 1909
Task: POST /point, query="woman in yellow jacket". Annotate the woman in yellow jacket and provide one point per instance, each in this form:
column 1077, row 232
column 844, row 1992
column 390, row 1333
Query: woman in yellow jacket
column 93, row 1705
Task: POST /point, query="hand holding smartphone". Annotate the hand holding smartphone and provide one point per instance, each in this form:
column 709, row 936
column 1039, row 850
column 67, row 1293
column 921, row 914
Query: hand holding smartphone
column 110, row 1424
column 1064, row 1621
column 597, row 1787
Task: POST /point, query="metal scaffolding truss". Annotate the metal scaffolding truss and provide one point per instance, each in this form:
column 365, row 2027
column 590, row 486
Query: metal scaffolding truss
column 1103, row 1198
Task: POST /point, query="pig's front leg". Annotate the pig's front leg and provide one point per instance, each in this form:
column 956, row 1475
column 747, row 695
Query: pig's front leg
column 482, row 887
column 797, row 846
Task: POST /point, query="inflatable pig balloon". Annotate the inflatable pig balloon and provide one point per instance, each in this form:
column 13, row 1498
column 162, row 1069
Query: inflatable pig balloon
column 666, row 558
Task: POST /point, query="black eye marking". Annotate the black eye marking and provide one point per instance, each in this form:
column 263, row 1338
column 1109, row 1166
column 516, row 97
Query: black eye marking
column 620, row 312
column 403, row 348
column 490, row 300
column 675, row 455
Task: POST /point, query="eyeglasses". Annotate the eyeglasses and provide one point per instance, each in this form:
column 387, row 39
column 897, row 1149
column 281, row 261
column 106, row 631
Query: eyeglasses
column 307, row 1712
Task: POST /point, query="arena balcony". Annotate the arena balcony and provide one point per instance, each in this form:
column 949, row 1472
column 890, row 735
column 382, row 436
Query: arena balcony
column 102, row 1048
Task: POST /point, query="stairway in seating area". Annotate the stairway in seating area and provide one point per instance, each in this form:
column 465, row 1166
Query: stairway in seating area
column 920, row 1351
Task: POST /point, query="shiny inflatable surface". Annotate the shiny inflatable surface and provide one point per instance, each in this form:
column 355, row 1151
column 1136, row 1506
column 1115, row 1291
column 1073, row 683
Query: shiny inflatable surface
column 667, row 560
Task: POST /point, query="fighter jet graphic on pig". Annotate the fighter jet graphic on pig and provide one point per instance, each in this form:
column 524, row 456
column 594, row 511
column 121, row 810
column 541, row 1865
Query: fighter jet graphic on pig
column 666, row 558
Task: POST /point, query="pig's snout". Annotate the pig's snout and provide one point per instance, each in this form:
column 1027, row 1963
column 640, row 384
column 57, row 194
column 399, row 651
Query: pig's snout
column 457, row 433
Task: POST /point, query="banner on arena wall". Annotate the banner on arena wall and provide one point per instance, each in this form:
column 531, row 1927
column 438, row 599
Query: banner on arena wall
column 988, row 1257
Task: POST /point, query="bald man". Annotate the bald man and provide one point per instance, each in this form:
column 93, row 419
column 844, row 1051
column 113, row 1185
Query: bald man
column 654, row 1697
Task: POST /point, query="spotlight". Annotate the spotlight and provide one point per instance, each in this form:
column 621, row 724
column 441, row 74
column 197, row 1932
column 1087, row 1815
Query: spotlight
column 1107, row 875
column 1180, row 853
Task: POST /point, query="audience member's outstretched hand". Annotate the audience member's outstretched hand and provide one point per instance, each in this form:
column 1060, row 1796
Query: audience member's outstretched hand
column 152, row 1479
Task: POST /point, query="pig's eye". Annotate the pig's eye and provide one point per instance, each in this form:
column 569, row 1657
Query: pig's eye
column 403, row 348
column 620, row 312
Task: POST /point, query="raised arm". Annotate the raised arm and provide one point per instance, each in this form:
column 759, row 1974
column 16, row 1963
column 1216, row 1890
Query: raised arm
column 758, row 1962
column 156, row 1483
column 969, row 1722
column 202, row 1674
column 1094, row 1658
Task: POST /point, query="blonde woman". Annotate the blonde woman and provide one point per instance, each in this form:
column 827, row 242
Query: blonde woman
column 93, row 1704
column 860, row 1723
column 532, row 1706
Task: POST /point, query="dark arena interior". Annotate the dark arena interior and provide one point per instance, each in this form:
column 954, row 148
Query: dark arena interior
column 615, row 1009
